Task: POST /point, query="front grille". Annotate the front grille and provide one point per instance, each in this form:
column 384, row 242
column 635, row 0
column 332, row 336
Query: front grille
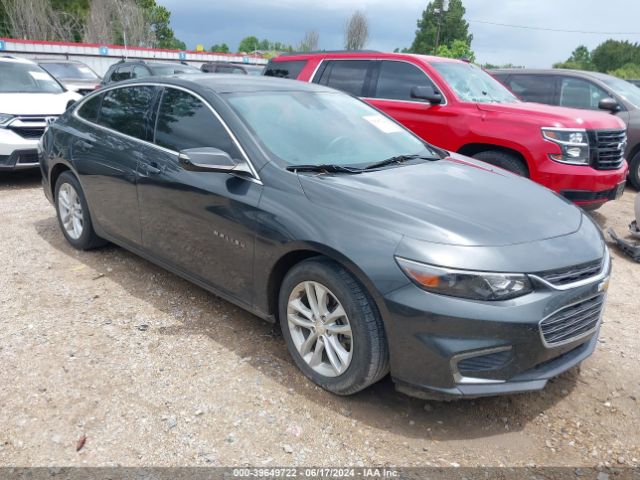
column 572, row 274
column 30, row 133
column 491, row 361
column 571, row 322
column 607, row 148
column 28, row 157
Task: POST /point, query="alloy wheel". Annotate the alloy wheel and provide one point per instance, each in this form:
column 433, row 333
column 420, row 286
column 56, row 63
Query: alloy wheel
column 70, row 210
column 320, row 329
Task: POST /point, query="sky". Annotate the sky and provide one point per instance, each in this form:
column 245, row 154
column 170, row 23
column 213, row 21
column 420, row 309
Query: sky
column 392, row 23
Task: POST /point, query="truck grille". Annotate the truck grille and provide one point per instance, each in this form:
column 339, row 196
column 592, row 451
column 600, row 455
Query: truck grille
column 29, row 133
column 608, row 148
column 572, row 322
column 573, row 274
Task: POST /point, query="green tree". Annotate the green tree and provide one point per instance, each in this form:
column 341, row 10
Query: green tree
column 222, row 48
column 458, row 49
column 451, row 23
column 630, row 71
column 580, row 59
column 615, row 54
column 249, row 44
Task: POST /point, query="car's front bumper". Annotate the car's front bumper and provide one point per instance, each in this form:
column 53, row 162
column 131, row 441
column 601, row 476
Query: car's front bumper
column 17, row 152
column 448, row 347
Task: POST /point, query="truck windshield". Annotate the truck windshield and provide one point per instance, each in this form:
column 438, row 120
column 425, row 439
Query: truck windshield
column 319, row 128
column 626, row 90
column 17, row 77
column 472, row 84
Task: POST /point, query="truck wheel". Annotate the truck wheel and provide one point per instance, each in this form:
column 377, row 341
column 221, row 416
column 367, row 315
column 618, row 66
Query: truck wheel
column 332, row 327
column 504, row 160
column 634, row 171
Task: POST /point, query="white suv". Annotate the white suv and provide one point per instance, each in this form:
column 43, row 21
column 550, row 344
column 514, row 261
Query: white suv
column 30, row 99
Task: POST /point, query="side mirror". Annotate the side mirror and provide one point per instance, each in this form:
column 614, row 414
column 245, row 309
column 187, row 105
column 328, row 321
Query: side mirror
column 426, row 93
column 209, row 159
column 609, row 104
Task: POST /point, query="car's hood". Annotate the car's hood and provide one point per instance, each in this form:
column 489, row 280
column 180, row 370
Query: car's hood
column 457, row 201
column 36, row 103
column 553, row 116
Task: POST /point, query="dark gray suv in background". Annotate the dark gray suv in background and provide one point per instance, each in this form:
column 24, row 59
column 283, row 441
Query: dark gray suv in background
column 581, row 89
column 375, row 251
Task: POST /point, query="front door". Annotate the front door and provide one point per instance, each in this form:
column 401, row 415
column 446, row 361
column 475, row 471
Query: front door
column 199, row 222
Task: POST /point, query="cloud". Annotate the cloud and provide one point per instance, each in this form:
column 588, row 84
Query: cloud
column 393, row 24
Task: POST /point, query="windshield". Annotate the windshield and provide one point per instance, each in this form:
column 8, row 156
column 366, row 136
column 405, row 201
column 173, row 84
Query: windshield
column 624, row 89
column 472, row 84
column 173, row 70
column 70, row 71
column 251, row 70
column 320, row 128
column 18, row 77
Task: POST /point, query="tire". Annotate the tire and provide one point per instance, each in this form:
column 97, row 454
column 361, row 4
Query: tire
column 367, row 349
column 634, row 171
column 504, row 160
column 70, row 202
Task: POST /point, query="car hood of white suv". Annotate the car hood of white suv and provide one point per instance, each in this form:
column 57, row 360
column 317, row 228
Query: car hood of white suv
column 36, row 103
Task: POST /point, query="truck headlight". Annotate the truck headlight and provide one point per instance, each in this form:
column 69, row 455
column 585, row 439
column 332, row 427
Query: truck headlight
column 5, row 118
column 466, row 283
column 573, row 142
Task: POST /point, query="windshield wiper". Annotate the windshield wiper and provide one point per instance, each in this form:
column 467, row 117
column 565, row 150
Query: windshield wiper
column 328, row 168
column 397, row 159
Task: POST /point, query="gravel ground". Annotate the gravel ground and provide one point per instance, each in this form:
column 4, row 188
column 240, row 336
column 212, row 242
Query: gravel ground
column 106, row 353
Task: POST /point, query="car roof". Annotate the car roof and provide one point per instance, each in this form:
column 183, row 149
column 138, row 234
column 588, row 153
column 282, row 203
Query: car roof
column 10, row 59
column 550, row 71
column 289, row 57
column 56, row 60
column 229, row 83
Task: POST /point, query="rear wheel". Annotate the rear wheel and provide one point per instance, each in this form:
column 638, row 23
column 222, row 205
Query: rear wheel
column 332, row 327
column 634, row 171
column 73, row 214
column 505, row 160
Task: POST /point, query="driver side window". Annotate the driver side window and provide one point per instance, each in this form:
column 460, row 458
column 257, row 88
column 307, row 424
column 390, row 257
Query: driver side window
column 396, row 80
column 578, row 93
column 186, row 122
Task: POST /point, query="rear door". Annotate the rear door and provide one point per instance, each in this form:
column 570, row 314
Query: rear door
column 200, row 222
column 106, row 156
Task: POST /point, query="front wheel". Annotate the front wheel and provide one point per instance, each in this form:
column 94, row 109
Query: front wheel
column 504, row 160
column 73, row 214
column 332, row 327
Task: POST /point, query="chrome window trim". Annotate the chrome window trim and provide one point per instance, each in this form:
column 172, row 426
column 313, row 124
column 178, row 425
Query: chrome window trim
column 254, row 178
column 414, row 102
column 582, row 335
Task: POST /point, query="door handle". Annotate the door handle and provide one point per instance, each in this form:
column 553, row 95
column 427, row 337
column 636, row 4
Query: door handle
column 150, row 168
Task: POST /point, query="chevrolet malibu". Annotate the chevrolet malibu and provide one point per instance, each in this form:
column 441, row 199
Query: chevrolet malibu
column 375, row 251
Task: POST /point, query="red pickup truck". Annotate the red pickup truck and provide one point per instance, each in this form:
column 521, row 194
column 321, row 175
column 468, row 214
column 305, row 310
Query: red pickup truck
column 458, row 106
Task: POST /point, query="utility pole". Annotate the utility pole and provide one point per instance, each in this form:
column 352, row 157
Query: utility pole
column 439, row 11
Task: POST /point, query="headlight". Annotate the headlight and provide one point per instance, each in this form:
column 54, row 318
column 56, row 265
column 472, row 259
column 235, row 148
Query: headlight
column 466, row 284
column 574, row 145
column 4, row 119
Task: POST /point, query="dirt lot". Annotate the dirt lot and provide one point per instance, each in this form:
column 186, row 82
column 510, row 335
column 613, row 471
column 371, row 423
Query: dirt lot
column 155, row 371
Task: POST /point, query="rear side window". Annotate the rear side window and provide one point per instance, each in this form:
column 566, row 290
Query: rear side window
column 122, row 73
column 126, row 110
column 396, row 80
column 186, row 122
column 579, row 93
column 141, row 72
column 90, row 109
column 346, row 75
column 285, row 69
column 533, row 88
